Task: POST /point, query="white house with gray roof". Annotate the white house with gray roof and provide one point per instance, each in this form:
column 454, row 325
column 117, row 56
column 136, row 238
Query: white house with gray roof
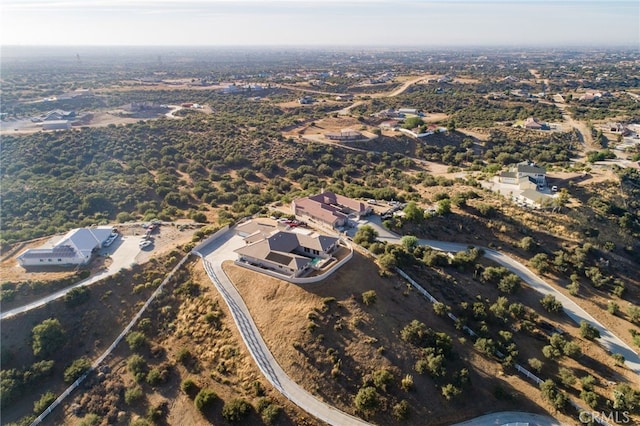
column 75, row 248
column 525, row 169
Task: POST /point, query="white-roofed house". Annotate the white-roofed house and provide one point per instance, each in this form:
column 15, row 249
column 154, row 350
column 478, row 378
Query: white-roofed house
column 75, row 248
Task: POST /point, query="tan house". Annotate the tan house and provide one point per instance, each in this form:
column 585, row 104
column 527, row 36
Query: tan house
column 329, row 209
column 288, row 253
column 533, row 123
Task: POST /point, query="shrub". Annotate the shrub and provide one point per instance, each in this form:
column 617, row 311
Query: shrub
column 535, row 364
column 157, row 376
column 550, row 303
column 528, row 244
column 76, row 369
column 268, row 410
column 619, row 359
column 133, row 394
column 205, row 399
column 401, row 410
column 270, row 413
column 369, row 297
column 189, row 387
column 138, row 366
column 367, row 399
column 77, row 296
column 590, row 397
column 440, row 309
column 588, row 331
column 236, row 410
column 183, row 356
column 449, row 391
column 136, row 340
column 45, row 401
column 381, row 378
column 48, row 337
column 407, row 382
column 93, row 419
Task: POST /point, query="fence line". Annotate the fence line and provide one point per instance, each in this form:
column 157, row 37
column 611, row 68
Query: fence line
column 472, row 333
column 115, row 343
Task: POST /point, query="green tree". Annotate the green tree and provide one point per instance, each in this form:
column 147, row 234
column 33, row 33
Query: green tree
column 625, row 397
column 45, row 401
column 510, row 283
column 136, row 340
column 48, row 337
column 528, row 244
column 550, row 303
column 367, row 399
column 205, row 399
column 590, row 397
column 554, row 396
column 409, row 242
column 236, row 410
column 588, row 331
column 444, row 207
column 388, row 261
column 567, row 377
column 76, row 369
column 540, row 262
column 365, row 235
column 535, row 364
column 413, row 213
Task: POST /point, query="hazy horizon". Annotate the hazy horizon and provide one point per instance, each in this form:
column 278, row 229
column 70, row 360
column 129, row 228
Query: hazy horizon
column 327, row 23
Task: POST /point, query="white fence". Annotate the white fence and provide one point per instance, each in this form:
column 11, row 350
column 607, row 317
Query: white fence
column 115, row 343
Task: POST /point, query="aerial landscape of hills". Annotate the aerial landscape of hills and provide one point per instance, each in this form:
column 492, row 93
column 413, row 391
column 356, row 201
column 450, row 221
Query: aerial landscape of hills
column 284, row 235
column 302, row 212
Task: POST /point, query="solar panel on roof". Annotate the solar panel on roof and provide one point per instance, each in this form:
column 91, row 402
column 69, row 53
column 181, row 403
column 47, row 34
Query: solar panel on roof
column 279, row 258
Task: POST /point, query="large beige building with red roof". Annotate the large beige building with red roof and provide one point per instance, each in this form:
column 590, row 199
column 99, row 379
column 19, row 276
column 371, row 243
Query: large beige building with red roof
column 329, row 209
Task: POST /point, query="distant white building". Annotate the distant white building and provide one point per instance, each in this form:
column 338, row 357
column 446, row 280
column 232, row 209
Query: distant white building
column 523, row 173
column 56, row 125
column 75, row 248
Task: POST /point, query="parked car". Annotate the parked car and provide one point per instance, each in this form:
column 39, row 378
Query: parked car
column 110, row 240
column 145, row 243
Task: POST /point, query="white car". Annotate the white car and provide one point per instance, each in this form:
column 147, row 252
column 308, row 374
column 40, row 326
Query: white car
column 145, row 243
column 110, row 240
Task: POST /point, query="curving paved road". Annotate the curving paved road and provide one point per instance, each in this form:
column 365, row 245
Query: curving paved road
column 212, row 256
column 511, row 418
column 571, row 308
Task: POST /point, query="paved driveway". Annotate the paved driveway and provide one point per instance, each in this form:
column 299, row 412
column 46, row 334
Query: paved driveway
column 512, row 418
column 123, row 253
column 213, row 255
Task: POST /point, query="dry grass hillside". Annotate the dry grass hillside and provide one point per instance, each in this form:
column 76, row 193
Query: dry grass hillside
column 334, row 344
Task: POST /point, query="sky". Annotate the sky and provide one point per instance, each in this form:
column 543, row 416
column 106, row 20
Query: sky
column 527, row 23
